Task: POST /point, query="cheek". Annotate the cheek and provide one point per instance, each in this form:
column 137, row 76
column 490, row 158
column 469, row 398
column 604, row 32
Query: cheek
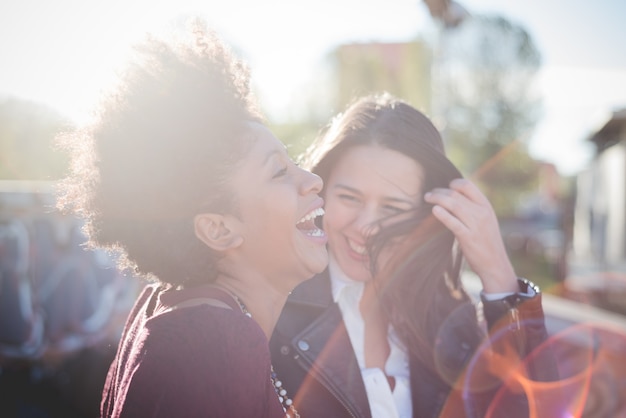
column 335, row 217
column 264, row 221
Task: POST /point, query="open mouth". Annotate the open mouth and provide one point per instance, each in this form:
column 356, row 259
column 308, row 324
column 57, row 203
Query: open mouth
column 307, row 223
column 357, row 248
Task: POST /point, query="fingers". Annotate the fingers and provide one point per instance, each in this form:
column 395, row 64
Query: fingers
column 459, row 197
column 468, row 189
column 468, row 214
column 448, row 208
column 463, row 204
column 450, row 221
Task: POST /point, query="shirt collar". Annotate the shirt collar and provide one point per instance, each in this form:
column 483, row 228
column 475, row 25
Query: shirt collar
column 340, row 281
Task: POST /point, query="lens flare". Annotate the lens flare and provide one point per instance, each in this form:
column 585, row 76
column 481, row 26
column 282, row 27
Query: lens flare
column 590, row 362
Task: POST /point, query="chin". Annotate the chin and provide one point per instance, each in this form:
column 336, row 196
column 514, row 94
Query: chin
column 317, row 260
column 317, row 268
column 359, row 275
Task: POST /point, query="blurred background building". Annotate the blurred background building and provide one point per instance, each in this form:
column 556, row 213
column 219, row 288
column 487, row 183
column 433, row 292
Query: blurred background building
column 598, row 254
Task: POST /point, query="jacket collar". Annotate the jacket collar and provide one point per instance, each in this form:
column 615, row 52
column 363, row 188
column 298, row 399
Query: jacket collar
column 315, row 292
column 326, row 349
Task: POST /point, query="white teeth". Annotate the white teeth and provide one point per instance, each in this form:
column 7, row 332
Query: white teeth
column 315, row 233
column 359, row 249
column 312, row 215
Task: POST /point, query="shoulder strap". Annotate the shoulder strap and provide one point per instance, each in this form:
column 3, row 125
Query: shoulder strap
column 197, row 296
column 199, row 301
column 189, row 303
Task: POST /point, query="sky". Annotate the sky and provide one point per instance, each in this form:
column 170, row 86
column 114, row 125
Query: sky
column 64, row 53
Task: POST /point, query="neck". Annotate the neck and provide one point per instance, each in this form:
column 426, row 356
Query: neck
column 263, row 302
column 370, row 305
column 376, row 343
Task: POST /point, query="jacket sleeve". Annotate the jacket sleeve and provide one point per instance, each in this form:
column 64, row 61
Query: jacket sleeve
column 516, row 325
column 519, row 352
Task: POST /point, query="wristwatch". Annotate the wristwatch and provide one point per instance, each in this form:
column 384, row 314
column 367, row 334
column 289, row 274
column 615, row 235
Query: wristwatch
column 505, row 312
column 508, row 304
column 527, row 290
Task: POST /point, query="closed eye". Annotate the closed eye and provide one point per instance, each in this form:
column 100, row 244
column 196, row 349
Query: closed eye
column 280, row 172
column 348, row 198
column 393, row 209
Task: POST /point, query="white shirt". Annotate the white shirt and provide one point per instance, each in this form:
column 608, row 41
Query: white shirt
column 384, row 403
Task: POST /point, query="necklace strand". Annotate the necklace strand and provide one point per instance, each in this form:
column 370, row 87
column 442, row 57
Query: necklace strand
column 281, row 392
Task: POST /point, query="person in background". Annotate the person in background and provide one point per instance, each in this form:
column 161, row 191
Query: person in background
column 180, row 174
column 388, row 329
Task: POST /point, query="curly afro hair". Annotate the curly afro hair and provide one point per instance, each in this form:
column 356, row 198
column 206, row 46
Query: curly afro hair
column 160, row 152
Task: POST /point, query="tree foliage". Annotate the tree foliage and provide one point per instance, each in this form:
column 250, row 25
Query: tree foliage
column 402, row 69
column 484, row 92
column 357, row 69
column 27, row 132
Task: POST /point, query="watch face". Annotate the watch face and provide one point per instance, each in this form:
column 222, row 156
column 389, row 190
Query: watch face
column 527, row 288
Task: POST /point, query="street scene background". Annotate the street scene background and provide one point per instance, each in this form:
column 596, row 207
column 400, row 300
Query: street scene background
column 531, row 101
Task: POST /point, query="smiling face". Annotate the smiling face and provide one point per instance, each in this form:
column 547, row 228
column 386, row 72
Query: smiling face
column 368, row 183
column 277, row 202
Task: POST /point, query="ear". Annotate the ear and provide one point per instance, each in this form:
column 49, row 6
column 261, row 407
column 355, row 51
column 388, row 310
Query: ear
column 216, row 231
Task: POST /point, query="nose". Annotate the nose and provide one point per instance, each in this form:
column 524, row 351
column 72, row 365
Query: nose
column 310, row 183
column 367, row 222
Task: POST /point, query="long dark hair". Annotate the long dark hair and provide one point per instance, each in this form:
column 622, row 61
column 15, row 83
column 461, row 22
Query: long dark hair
column 420, row 286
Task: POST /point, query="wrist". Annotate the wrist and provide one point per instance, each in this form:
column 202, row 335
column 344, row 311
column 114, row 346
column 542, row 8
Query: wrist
column 500, row 283
column 525, row 290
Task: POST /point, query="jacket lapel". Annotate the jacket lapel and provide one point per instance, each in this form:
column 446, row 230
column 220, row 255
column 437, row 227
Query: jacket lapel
column 325, row 347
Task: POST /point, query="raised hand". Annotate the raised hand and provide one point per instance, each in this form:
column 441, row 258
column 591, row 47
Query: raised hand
column 466, row 211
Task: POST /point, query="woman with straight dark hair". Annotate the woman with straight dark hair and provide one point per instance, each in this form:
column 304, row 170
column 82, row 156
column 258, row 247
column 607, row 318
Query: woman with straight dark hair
column 180, row 174
column 388, row 329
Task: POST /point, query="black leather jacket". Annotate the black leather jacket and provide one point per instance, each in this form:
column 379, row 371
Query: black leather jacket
column 313, row 356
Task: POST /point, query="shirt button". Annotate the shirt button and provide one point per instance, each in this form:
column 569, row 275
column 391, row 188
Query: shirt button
column 284, row 350
column 303, row 345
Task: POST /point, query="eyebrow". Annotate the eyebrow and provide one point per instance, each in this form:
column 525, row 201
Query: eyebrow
column 348, row 188
column 387, row 198
column 271, row 154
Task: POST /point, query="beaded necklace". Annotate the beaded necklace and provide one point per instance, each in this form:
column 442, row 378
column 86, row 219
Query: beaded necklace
column 285, row 401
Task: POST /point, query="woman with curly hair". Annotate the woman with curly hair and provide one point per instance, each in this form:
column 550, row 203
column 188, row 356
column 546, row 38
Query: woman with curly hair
column 180, row 174
column 388, row 329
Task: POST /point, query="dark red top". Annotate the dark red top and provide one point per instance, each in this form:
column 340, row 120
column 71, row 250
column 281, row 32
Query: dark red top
column 199, row 361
